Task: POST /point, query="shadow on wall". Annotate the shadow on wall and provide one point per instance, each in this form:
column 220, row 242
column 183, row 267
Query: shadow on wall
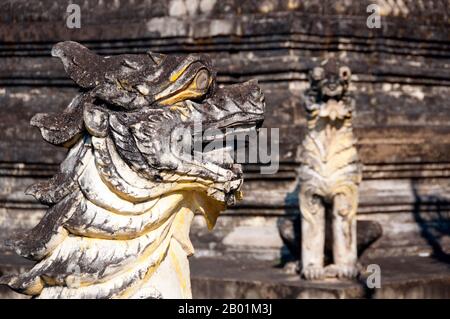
column 436, row 224
column 289, row 228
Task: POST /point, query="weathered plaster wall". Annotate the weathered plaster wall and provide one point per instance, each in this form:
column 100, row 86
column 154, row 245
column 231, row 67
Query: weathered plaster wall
column 401, row 83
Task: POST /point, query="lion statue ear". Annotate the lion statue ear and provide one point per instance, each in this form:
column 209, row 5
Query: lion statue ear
column 62, row 129
column 82, row 65
column 89, row 70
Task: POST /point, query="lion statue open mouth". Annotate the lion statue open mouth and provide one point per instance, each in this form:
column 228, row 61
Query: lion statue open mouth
column 121, row 206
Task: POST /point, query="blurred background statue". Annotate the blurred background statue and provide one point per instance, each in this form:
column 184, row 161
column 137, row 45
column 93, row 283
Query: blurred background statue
column 329, row 175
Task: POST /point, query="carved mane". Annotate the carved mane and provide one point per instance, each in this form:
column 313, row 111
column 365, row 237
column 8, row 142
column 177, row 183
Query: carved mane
column 121, row 205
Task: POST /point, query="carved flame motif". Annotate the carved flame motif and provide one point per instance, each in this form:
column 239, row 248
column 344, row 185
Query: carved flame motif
column 122, row 204
column 329, row 174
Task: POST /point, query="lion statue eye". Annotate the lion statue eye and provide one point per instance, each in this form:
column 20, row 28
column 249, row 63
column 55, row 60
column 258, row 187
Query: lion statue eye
column 345, row 73
column 202, row 79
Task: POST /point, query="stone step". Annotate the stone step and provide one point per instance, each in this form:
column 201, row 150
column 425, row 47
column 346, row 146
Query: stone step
column 401, row 277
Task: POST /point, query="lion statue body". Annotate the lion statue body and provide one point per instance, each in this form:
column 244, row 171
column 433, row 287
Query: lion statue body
column 329, row 175
column 121, row 206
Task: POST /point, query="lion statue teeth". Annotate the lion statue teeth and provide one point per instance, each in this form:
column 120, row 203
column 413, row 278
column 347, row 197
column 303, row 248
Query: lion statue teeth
column 329, row 175
column 121, row 206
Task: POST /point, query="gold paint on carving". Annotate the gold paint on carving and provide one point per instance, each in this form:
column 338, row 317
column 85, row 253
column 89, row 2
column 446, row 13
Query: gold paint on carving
column 175, row 75
column 181, row 278
column 191, row 92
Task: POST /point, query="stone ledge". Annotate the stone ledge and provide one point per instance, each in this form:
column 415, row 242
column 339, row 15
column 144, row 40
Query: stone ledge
column 401, row 277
